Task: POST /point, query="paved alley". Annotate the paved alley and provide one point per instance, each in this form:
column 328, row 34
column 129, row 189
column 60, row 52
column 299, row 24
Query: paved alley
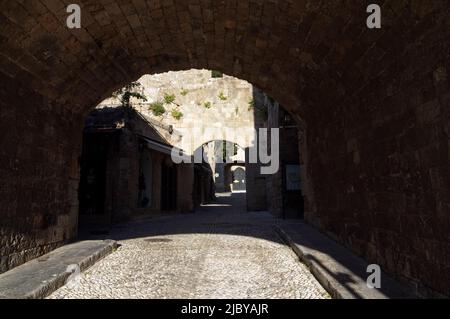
column 219, row 252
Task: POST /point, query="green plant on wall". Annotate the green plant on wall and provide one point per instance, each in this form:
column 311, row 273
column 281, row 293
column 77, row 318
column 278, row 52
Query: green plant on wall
column 157, row 108
column 216, row 74
column 260, row 111
column 132, row 90
column 251, row 105
column 169, row 98
column 222, row 97
column 207, row 105
column 176, row 114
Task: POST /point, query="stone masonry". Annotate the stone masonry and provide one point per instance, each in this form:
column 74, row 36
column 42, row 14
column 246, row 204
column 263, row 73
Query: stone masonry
column 375, row 104
column 212, row 108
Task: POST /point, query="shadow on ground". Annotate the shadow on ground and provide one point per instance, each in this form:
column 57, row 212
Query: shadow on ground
column 228, row 216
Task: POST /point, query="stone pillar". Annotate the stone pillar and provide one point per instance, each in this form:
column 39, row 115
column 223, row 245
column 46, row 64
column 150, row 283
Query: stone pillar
column 185, row 187
column 127, row 191
column 156, row 189
column 256, row 186
column 305, row 177
column 220, row 177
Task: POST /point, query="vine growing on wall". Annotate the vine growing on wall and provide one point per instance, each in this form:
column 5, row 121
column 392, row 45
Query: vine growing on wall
column 251, row 105
column 132, row 90
column 260, row 111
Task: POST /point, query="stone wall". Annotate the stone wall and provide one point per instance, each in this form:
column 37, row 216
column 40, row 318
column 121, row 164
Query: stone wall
column 40, row 144
column 271, row 193
column 274, row 183
column 123, row 166
column 229, row 114
column 379, row 159
column 256, row 182
column 212, row 108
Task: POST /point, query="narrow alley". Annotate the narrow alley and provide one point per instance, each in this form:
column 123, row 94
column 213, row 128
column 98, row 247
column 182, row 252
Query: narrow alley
column 220, row 252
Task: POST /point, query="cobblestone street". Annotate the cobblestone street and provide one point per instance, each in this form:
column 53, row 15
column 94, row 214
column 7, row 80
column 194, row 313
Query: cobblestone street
column 219, row 252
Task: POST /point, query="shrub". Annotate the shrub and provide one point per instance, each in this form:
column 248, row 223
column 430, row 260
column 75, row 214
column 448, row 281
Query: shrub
column 177, row 114
column 207, row 105
column 157, row 108
column 222, row 96
column 184, row 92
column 132, row 90
column 216, row 74
column 251, row 105
column 169, row 98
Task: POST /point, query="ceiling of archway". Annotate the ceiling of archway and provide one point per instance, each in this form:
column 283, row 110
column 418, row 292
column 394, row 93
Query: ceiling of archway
column 309, row 49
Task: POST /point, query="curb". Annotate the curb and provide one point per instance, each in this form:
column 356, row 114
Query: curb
column 317, row 273
column 61, row 279
column 337, row 269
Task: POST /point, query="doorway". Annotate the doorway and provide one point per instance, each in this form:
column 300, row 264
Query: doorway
column 93, row 179
column 169, row 187
column 145, row 179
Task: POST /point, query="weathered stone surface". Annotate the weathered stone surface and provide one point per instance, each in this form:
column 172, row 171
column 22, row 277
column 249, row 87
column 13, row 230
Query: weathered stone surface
column 226, row 116
column 221, row 252
column 39, row 278
column 39, row 188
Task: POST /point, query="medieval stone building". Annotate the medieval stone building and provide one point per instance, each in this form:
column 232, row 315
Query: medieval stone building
column 127, row 165
column 127, row 170
column 280, row 193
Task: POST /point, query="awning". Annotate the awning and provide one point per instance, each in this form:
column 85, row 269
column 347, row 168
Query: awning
column 173, row 151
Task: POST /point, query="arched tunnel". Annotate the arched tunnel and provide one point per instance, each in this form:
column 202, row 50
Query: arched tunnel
column 374, row 103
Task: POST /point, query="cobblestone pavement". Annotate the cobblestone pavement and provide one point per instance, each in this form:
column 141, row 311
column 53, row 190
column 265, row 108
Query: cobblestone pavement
column 219, row 252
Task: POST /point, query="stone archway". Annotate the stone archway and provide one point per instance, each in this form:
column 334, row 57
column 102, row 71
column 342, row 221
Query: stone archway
column 375, row 104
column 236, row 177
